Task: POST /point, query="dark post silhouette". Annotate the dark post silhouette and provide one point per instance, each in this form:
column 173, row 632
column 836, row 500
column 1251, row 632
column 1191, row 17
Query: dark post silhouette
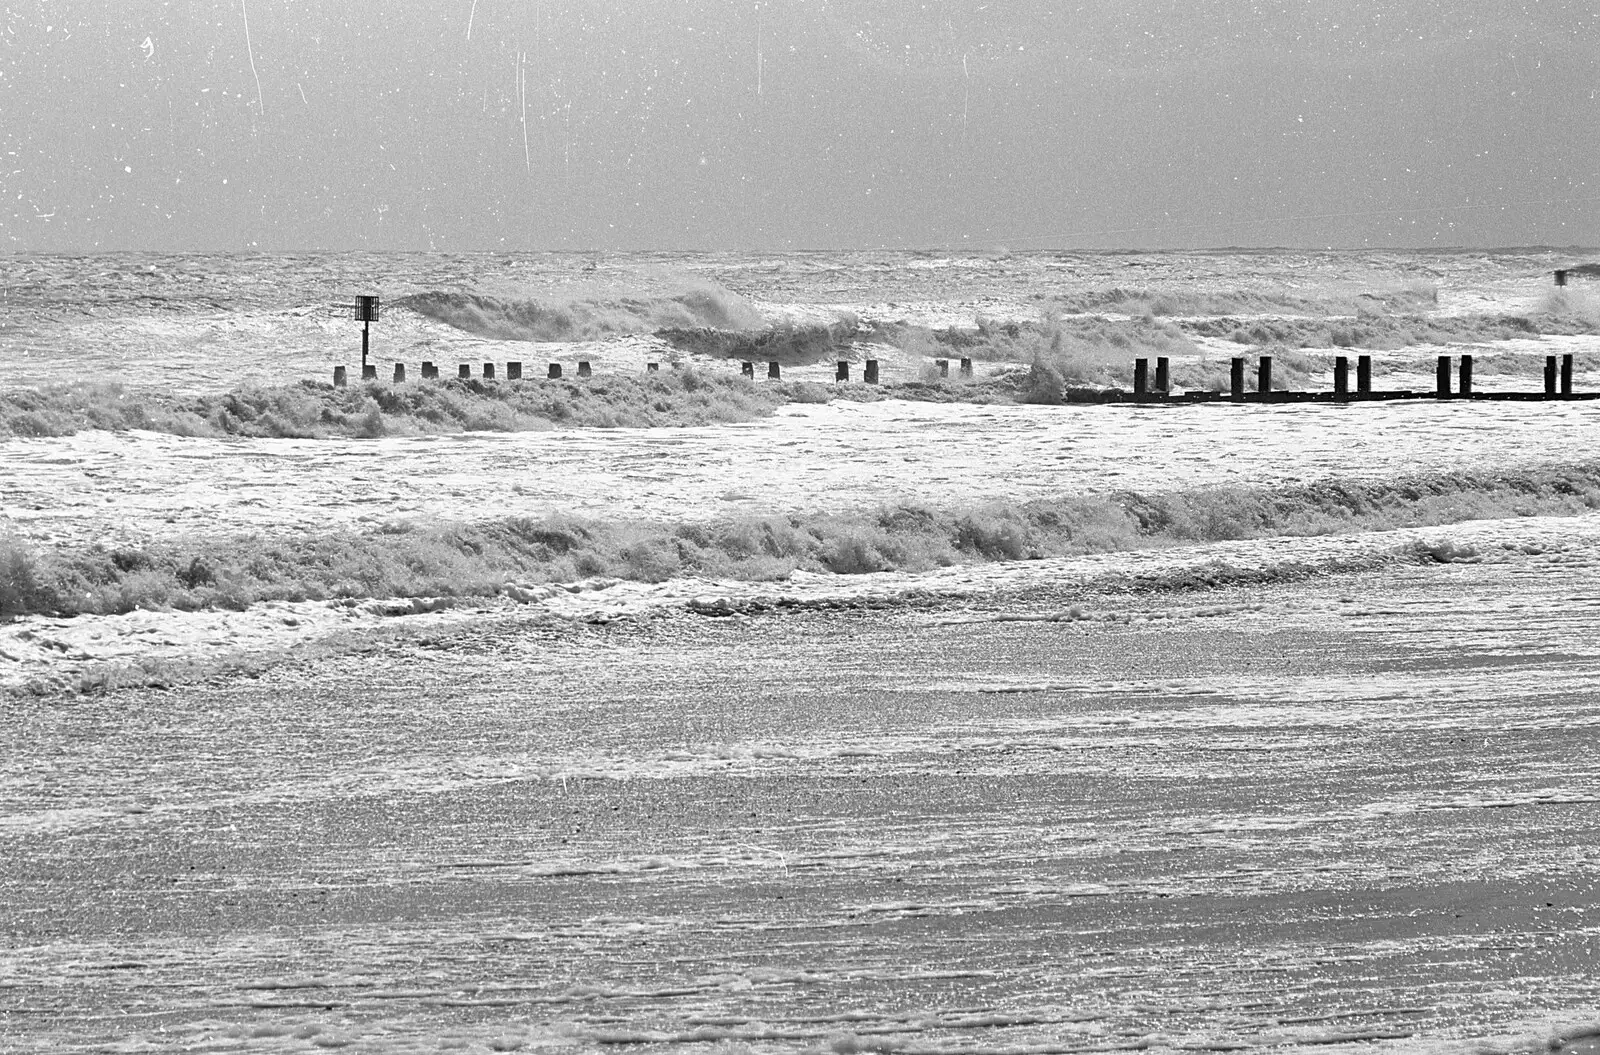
column 773, row 373
column 1561, row 278
column 1163, row 374
column 944, row 367
column 399, row 373
column 651, row 368
column 1341, row 377
column 1566, row 374
column 1466, row 375
column 1236, row 379
column 870, row 373
column 1364, row 375
column 514, row 370
column 748, row 370
column 1549, row 375
column 1264, row 377
column 429, row 370
column 338, row 377
column 555, row 372
column 488, row 371
column 1441, row 378
column 966, row 367
column 464, row 372
column 584, row 369
column 369, row 372
column 1141, row 376
column 842, row 372
column 366, row 309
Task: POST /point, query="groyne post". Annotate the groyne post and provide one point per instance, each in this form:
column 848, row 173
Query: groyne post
column 399, row 373
column 1341, row 377
column 514, row 370
column 842, row 371
column 1364, row 375
column 1163, row 373
column 943, row 366
column 464, row 372
column 652, row 368
column 1566, row 374
column 1264, row 377
column 748, row 370
column 1561, row 278
column 1466, row 376
column 1549, row 375
column 369, row 372
column 773, row 372
column 338, row 377
column 966, row 366
column 584, row 369
column 429, row 370
column 554, row 373
column 1236, row 379
column 1441, row 378
column 488, row 371
column 1141, row 377
column 870, row 373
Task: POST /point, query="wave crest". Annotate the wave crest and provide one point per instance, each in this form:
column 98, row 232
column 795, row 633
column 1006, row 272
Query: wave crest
column 512, row 319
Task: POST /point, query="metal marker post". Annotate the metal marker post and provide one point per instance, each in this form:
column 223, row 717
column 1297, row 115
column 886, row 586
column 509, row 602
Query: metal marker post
column 366, row 309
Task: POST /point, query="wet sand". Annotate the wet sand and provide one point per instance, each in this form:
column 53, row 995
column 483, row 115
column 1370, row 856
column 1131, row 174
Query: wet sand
column 1362, row 809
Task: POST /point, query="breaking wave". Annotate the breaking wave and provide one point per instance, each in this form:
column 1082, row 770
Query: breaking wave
column 506, row 319
column 411, row 559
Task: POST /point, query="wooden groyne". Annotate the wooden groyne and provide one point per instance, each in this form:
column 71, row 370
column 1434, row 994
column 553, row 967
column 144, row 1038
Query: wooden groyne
column 1453, row 380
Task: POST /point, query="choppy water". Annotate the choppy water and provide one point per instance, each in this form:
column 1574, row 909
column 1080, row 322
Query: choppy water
column 204, row 322
column 1354, row 809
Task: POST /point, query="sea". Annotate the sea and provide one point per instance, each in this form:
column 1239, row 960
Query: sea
column 1326, row 786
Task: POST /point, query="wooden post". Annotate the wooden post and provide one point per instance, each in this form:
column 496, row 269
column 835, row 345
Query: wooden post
column 1441, row 378
column 943, row 366
column 842, row 371
column 1341, row 377
column 870, row 373
column 1163, row 374
column 338, row 377
column 584, row 369
column 554, row 373
column 1264, row 377
column 1141, row 377
column 773, row 373
column 1236, row 379
column 966, row 366
column 1466, row 376
column 748, row 370
column 514, row 370
column 488, row 371
column 429, row 371
column 399, row 373
column 1566, row 374
column 1549, row 375
column 1364, row 375
column 369, row 372
column 464, row 372
column 651, row 368
column 1561, row 278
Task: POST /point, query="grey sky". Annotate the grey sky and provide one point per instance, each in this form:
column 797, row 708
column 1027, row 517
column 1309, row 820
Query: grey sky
column 692, row 124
